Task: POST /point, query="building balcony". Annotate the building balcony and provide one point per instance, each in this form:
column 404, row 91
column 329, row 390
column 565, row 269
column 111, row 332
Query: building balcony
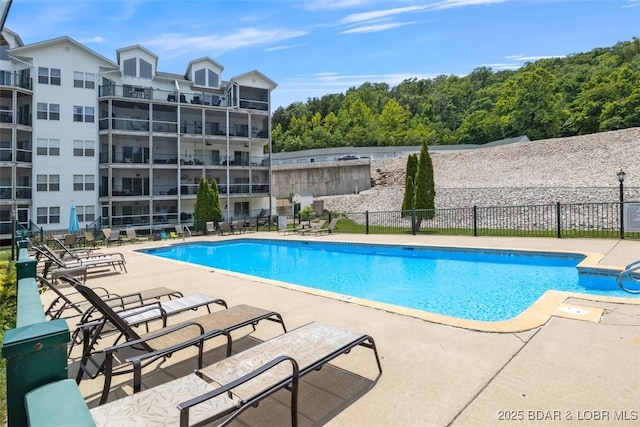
column 139, row 92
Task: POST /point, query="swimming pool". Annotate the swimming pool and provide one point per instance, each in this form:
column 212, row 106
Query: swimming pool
column 486, row 285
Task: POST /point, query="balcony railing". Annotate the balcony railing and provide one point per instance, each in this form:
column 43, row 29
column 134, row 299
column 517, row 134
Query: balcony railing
column 136, row 92
column 24, row 155
column 128, row 192
column 15, row 78
column 23, row 192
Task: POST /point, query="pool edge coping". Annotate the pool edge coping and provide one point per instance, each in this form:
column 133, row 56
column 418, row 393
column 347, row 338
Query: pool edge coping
column 536, row 315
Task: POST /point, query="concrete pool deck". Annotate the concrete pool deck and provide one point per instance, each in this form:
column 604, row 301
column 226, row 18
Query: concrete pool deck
column 579, row 366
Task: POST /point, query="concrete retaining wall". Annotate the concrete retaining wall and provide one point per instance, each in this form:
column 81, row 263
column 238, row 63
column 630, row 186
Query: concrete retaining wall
column 325, row 179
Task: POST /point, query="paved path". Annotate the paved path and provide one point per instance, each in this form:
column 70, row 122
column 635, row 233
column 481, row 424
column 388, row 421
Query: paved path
column 566, row 372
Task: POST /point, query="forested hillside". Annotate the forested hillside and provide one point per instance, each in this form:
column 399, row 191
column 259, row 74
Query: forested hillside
column 579, row 94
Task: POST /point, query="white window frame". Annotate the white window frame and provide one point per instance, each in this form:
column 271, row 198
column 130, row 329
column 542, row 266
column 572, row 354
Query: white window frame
column 84, row 80
column 46, row 111
column 47, row 182
column 49, row 76
column 47, row 147
column 83, row 114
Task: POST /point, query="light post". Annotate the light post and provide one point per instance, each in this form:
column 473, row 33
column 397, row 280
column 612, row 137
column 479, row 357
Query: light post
column 621, row 175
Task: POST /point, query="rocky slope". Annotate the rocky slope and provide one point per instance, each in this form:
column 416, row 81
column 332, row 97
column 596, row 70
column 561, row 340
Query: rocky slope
column 568, row 170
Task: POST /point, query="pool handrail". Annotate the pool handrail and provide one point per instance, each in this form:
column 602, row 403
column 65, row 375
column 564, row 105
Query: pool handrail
column 631, row 272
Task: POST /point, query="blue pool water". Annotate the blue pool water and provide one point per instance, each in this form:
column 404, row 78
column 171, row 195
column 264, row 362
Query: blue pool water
column 471, row 284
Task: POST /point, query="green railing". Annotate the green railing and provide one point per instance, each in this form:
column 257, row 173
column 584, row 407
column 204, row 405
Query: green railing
column 36, row 350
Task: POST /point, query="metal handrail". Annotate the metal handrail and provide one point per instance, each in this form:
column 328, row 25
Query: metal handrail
column 631, row 272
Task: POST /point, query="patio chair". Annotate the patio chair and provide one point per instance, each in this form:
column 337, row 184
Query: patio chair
column 74, row 253
column 70, row 240
column 332, row 225
column 211, row 227
column 90, row 240
column 132, row 236
column 239, row 226
column 72, row 300
column 111, row 236
column 222, row 391
column 225, row 228
column 313, row 229
column 329, row 229
column 157, row 345
column 114, row 260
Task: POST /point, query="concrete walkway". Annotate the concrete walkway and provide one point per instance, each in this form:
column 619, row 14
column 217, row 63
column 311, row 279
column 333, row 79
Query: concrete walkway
column 563, row 372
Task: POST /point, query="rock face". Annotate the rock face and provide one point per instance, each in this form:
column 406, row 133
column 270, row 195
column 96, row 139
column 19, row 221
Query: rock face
column 579, row 169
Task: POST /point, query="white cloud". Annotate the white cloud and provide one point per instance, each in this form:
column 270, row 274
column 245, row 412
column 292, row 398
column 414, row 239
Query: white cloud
column 317, row 5
column 96, row 39
column 448, row 4
column 385, row 19
column 531, row 57
column 502, row 66
column 215, row 43
column 376, row 28
column 285, row 47
column 380, row 14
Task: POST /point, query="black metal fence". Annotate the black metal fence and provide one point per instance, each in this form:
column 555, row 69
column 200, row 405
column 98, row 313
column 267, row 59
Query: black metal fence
column 605, row 220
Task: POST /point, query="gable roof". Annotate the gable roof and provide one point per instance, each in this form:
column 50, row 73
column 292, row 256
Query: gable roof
column 24, row 50
column 135, row 47
column 258, row 74
column 205, row 59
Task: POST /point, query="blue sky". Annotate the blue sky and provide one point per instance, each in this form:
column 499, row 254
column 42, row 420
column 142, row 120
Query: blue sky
column 314, row 47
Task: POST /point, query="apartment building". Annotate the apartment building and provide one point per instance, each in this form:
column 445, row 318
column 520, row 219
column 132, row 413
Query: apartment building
column 124, row 142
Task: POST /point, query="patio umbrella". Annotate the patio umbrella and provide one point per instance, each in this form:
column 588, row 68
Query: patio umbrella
column 74, row 225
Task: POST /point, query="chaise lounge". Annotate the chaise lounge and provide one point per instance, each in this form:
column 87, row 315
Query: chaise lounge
column 74, row 302
column 227, row 388
column 52, row 259
column 138, row 351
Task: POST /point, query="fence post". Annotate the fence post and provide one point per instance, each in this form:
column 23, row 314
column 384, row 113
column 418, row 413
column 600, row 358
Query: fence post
column 366, row 222
column 475, row 221
column 558, row 223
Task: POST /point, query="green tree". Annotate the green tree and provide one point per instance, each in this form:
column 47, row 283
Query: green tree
column 207, row 207
column 551, row 97
column 531, row 104
column 425, row 190
column 407, row 201
column 392, row 123
column 409, row 179
column 216, row 211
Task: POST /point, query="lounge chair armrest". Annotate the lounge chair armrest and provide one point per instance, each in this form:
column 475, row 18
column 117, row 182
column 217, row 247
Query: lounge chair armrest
column 121, row 298
column 136, row 360
column 153, row 335
column 184, row 407
column 105, row 292
column 155, row 305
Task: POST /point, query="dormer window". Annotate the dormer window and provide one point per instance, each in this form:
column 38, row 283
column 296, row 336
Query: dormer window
column 145, row 69
column 206, row 78
column 130, row 68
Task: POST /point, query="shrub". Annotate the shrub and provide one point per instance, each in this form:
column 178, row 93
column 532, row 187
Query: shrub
column 7, row 321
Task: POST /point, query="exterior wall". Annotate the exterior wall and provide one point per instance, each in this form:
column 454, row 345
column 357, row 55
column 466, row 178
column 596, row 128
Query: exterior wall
column 132, row 113
column 326, row 179
column 68, row 58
